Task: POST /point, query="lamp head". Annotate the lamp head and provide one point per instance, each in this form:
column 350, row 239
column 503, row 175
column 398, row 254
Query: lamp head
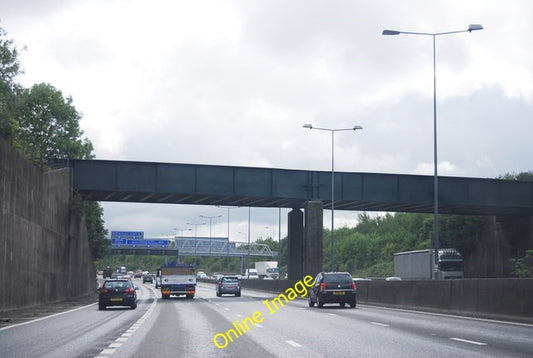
column 390, row 32
column 474, row 27
column 308, row 125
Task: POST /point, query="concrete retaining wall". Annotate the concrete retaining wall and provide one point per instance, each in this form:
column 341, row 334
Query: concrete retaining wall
column 44, row 252
column 504, row 299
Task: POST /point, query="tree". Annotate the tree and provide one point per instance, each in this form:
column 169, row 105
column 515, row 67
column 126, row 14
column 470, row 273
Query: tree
column 49, row 126
column 523, row 176
column 9, row 70
column 523, row 267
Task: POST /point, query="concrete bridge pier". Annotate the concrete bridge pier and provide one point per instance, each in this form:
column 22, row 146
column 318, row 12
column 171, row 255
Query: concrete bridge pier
column 305, row 242
column 296, row 238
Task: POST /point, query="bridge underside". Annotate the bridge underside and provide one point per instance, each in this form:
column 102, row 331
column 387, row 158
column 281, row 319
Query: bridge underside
column 263, row 187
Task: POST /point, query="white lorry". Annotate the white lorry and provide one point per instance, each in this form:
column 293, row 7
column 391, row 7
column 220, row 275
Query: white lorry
column 267, row 269
column 420, row 265
column 176, row 279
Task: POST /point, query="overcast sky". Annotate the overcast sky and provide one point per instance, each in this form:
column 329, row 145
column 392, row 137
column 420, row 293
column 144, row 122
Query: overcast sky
column 232, row 83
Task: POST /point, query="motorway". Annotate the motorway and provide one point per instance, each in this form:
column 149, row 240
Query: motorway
column 185, row 328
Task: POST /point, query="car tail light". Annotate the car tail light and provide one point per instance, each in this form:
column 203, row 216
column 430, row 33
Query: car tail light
column 353, row 286
column 130, row 290
column 322, row 287
column 103, row 290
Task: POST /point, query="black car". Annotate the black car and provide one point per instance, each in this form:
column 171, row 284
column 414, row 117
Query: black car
column 228, row 284
column 120, row 292
column 333, row 287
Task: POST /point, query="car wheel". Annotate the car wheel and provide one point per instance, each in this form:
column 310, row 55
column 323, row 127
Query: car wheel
column 353, row 304
column 310, row 301
column 189, row 296
column 319, row 302
column 101, row 307
column 219, row 294
column 238, row 294
column 134, row 306
column 343, row 304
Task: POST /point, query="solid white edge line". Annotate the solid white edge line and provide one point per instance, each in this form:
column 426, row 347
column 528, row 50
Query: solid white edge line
column 46, row 317
column 468, row 341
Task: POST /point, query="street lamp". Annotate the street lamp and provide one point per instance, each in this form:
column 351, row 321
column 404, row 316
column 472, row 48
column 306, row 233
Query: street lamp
column 195, row 237
column 210, row 223
column 227, row 244
column 332, row 130
column 472, row 27
column 181, row 230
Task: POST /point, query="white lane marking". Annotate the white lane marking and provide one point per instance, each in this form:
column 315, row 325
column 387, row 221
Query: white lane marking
column 239, row 315
column 380, row 324
column 294, row 344
column 467, row 341
column 332, row 314
column 130, row 331
column 258, row 325
column 226, row 309
column 46, row 317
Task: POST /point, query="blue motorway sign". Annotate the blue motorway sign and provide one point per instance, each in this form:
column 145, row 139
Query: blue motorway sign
column 123, row 242
column 127, row 234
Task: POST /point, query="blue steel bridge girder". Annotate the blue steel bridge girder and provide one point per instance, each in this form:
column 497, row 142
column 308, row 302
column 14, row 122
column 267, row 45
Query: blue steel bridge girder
column 147, row 182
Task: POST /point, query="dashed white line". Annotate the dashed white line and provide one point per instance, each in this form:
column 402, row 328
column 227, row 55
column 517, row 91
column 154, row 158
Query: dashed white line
column 468, row 341
column 380, row 324
column 129, row 332
column 294, row 344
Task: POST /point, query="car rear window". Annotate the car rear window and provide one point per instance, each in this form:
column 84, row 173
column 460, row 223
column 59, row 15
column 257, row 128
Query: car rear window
column 338, row 278
column 116, row 284
column 230, row 280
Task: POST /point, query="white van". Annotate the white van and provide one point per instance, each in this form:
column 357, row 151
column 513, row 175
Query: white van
column 251, row 274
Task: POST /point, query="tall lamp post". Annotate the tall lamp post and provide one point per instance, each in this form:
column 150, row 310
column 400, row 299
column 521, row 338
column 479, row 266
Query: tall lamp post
column 472, row 27
column 195, row 237
column 332, row 130
column 210, row 223
column 227, row 244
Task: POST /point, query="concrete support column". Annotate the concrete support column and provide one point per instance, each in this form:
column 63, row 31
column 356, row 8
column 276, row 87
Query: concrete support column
column 296, row 239
column 313, row 238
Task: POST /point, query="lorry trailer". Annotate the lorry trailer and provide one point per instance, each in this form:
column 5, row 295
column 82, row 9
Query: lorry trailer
column 421, row 265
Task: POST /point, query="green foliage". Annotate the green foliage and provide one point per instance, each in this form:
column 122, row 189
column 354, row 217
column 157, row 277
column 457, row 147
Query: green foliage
column 523, row 267
column 49, row 126
column 523, row 176
column 9, row 69
column 367, row 250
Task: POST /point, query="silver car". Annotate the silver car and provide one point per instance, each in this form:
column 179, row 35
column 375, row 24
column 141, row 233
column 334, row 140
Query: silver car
column 229, row 285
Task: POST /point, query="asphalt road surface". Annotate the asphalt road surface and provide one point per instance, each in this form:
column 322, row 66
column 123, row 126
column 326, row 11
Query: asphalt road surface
column 185, row 328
